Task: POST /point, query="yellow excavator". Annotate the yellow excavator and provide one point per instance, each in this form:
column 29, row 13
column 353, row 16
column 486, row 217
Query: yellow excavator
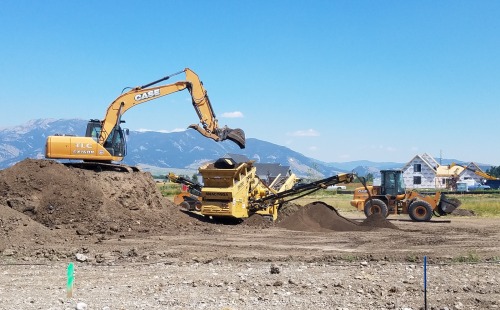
column 105, row 141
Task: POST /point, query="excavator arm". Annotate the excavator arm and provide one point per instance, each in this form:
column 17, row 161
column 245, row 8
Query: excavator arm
column 201, row 103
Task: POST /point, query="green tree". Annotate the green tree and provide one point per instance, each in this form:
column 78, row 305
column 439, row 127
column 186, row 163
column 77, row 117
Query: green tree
column 369, row 177
column 194, row 178
column 494, row 171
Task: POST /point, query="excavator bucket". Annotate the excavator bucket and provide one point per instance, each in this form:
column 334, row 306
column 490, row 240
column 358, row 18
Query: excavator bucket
column 237, row 136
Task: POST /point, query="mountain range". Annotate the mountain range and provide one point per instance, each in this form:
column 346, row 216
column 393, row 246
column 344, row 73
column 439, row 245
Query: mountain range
column 178, row 152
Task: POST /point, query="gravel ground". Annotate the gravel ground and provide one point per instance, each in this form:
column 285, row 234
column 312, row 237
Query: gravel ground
column 172, row 284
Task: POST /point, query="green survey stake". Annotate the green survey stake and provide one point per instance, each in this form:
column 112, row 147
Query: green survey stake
column 71, row 278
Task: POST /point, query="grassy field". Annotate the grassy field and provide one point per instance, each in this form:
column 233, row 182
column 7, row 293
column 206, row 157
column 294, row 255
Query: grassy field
column 484, row 205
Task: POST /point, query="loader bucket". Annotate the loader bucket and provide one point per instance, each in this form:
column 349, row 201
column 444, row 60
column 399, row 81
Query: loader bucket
column 447, row 205
column 237, row 136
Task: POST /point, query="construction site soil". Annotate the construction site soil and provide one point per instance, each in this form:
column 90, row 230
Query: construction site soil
column 134, row 249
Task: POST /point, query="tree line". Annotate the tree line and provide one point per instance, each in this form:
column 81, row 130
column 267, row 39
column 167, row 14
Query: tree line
column 494, row 171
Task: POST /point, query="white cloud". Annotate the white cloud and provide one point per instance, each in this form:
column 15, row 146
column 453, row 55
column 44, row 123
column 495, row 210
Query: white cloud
column 313, row 148
column 305, row 133
column 161, row 130
column 235, row 114
column 384, row 148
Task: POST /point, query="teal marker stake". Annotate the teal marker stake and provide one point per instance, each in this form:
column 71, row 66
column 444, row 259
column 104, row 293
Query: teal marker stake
column 71, row 279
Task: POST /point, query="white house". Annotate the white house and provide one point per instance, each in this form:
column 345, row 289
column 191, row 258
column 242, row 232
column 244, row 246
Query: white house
column 423, row 171
column 420, row 172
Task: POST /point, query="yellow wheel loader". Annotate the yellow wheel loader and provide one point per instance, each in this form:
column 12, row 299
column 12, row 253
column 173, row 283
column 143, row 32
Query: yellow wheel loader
column 391, row 197
column 105, row 141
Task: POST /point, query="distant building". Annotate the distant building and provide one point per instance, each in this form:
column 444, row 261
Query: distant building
column 267, row 172
column 423, row 171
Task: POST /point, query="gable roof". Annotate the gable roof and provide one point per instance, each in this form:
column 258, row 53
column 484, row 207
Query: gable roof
column 473, row 166
column 430, row 160
column 425, row 159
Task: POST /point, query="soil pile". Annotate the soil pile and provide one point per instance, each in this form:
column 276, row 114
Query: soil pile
column 463, row 212
column 258, row 221
column 317, row 217
column 321, row 217
column 378, row 221
column 88, row 202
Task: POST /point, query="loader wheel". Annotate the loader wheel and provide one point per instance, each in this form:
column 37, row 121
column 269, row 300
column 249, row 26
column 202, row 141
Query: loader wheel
column 376, row 206
column 420, row 211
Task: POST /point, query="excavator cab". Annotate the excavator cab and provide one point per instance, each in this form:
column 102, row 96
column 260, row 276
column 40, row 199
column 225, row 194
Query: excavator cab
column 392, row 183
column 115, row 143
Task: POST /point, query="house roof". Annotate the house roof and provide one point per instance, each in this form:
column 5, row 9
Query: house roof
column 428, row 161
column 449, row 170
column 474, row 167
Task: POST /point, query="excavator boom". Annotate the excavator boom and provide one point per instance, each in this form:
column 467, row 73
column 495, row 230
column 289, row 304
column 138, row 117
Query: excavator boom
column 201, row 103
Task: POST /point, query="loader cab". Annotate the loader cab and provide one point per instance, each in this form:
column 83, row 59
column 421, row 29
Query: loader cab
column 115, row 143
column 392, row 182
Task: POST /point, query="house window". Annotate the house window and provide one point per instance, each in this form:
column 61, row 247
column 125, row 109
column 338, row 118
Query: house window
column 417, row 180
column 417, row 168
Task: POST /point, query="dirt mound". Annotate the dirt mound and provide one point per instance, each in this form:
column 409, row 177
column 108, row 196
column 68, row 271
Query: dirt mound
column 463, row 212
column 88, row 202
column 378, row 221
column 318, row 217
column 259, row 221
column 15, row 226
column 321, row 217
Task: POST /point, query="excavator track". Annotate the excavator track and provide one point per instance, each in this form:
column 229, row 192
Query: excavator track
column 99, row 167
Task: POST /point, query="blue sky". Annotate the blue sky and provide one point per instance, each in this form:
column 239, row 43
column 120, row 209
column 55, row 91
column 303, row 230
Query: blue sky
column 334, row 80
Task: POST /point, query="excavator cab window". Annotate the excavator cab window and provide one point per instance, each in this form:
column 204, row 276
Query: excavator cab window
column 115, row 144
column 93, row 129
column 392, row 182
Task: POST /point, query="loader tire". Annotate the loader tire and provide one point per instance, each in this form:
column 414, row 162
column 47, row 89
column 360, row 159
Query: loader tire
column 420, row 211
column 376, row 206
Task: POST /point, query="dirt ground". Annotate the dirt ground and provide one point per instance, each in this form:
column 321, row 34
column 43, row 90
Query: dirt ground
column 134, row 249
